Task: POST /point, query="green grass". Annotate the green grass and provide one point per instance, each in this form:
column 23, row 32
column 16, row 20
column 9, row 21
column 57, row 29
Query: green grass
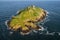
column 27, row 13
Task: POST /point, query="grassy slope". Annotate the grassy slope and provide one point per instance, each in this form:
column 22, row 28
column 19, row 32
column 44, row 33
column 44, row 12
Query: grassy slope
column 28, row 13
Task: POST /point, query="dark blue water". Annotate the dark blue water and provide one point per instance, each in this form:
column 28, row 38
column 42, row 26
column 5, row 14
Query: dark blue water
column 7, row 9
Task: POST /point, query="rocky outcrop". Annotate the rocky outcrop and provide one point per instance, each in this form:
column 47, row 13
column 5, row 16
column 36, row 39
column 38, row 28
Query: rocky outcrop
column 26, row 20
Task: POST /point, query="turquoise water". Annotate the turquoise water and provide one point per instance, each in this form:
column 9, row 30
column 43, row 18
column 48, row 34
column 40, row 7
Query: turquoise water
column 7, row 9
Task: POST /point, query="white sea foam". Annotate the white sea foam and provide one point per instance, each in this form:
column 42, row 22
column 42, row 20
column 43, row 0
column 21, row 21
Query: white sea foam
column 46, row 11
column 59, row 33
column 24, row 33
column 18, row 12
column 34, row 31
column 6, row 23
column 47, row 33
column 10, row 32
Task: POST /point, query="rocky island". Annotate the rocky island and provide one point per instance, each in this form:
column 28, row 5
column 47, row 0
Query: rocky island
column 26, row 20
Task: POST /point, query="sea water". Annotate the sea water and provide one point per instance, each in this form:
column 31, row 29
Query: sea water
column 52, row 24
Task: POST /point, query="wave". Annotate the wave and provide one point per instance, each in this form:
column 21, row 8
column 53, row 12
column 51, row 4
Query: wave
column 6, row 23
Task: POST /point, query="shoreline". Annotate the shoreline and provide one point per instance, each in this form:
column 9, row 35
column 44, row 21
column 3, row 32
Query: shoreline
column 41, row 28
